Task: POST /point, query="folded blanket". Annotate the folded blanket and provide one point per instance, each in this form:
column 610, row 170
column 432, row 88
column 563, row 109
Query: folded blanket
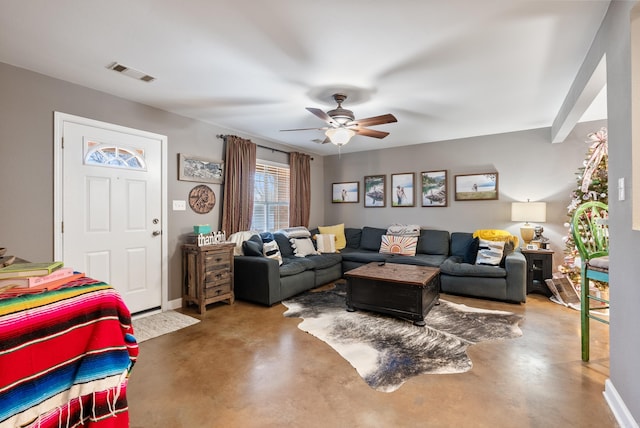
column 404, row 230
column 296, row 232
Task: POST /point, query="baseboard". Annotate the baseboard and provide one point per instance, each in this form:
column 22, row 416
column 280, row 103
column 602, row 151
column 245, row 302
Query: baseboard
column 174, row 304
column 617, row 406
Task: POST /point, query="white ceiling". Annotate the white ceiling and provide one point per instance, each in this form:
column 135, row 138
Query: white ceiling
column 445, row 68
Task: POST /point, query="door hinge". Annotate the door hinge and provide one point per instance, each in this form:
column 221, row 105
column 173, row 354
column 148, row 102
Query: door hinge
column 62, row 227
column 62, row 142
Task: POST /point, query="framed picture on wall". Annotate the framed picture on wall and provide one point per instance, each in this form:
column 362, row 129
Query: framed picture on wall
column 374, row 188
column 196, row 168
column 347, row 192
column 477, row 187
column 402, row 189
column 434, row 188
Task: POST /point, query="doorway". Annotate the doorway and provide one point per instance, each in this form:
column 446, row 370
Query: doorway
column 110, row 211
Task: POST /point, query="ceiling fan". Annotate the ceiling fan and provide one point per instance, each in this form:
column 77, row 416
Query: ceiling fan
column 342, row 124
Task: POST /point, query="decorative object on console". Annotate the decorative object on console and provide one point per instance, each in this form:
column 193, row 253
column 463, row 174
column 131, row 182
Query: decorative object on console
column 476, row 187
column 528, row 211
column 374, row 188
column 434, row 188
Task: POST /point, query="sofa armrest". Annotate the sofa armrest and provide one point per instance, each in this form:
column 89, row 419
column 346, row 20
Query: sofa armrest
column 256, row 279
column 516, row 267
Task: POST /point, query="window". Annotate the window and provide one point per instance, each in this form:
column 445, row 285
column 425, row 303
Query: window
column 270, row 197
column 113, row 156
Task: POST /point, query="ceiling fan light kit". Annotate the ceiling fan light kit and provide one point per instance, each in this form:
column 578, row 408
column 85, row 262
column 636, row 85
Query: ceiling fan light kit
column 342, row 124
column 340, row 136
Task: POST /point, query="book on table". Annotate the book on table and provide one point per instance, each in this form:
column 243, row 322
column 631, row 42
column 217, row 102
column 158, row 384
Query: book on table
column 34, row 281
column 11, row 290
column 21, row 270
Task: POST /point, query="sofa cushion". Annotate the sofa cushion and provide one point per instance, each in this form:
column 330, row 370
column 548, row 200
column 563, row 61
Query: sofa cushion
column 324, row 261
column 272, row 251
column 338, row 230
column 361, row 256
column 471, row 254
column 353, row 236
column 283, row 244
column 490, row 252
column 238, row 238
column 460, row 242
column 403, row 245
column 291, row 268
column 431, row 260
column 433, row 242
column 326, row 243
column 371, row 238
column 302, row 247
column 252, row 248
column 454, row 266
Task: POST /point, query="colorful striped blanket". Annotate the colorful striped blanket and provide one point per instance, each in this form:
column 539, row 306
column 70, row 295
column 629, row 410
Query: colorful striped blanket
column 65, row 357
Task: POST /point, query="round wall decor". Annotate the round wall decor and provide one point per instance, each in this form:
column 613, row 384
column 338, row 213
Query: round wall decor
column 202, row 199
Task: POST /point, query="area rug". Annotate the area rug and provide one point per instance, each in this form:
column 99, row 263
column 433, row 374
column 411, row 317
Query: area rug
column 155, row 325
column 386, row 351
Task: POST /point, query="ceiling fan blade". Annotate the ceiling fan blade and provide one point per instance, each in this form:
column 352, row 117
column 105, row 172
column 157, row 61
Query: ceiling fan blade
column 319, row 141
column 305, row 129
column 375, row 120
column 324, row 116
column 370, row 132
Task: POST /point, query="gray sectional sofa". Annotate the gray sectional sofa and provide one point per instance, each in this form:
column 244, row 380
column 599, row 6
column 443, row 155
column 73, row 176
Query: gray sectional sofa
column 261, row 280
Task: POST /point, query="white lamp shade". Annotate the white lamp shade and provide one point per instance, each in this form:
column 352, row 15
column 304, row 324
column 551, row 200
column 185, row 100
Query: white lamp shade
column 340, row 136
column 529, row 211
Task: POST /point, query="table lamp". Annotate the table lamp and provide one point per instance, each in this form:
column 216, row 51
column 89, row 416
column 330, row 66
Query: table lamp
column 528, row 211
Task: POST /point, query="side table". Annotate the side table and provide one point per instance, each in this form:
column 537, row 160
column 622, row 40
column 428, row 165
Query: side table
column 208, row 274
column 539, row 268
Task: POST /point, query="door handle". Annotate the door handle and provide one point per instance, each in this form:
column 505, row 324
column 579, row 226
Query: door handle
column 157, row 232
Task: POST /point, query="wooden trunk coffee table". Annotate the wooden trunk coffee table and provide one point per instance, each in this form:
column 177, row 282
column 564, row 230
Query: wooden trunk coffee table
column 405, row 291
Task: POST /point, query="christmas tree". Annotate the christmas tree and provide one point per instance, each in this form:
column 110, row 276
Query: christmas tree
column 592, row 185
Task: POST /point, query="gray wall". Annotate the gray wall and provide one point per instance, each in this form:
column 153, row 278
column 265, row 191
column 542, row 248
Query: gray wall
column 625, row 269
column 27, row 104
column 528, row 166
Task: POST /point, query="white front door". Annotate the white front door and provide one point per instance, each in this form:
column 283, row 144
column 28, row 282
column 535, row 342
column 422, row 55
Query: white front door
column 112, row 216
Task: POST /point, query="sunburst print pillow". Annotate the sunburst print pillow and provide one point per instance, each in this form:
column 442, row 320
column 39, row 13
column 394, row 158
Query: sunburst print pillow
column 402, row 245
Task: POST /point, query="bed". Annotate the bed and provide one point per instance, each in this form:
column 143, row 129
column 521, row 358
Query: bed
column 65, row 357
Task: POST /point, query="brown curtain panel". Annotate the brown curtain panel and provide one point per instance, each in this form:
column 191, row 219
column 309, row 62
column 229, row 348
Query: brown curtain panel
column 240, row 169
column 299, row 189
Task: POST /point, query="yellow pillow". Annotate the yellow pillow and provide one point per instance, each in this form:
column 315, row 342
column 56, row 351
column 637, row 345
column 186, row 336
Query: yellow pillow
column 496, row 235
column 338, row 230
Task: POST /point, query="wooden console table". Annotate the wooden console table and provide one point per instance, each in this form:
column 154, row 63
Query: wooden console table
column 208, row 274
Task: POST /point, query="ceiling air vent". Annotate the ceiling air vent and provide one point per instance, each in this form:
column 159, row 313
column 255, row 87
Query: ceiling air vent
column 131, row 72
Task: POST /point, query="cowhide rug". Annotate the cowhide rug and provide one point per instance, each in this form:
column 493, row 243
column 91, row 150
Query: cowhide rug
column 385, row 350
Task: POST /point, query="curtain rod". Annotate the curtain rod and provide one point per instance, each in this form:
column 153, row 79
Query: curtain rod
column 221, row 136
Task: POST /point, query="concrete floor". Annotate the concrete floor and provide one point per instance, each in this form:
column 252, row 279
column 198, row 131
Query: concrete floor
column 248, row 366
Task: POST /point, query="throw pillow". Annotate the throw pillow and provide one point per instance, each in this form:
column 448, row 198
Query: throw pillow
column 302, row 247
column 337, row 230
column 403, row 245
column 252, row 248
column 296, row 232
column 272, row 251
column 266, row 236
column 326, row 242
column 238, row 238
column 471, row 254
column 490, row 252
